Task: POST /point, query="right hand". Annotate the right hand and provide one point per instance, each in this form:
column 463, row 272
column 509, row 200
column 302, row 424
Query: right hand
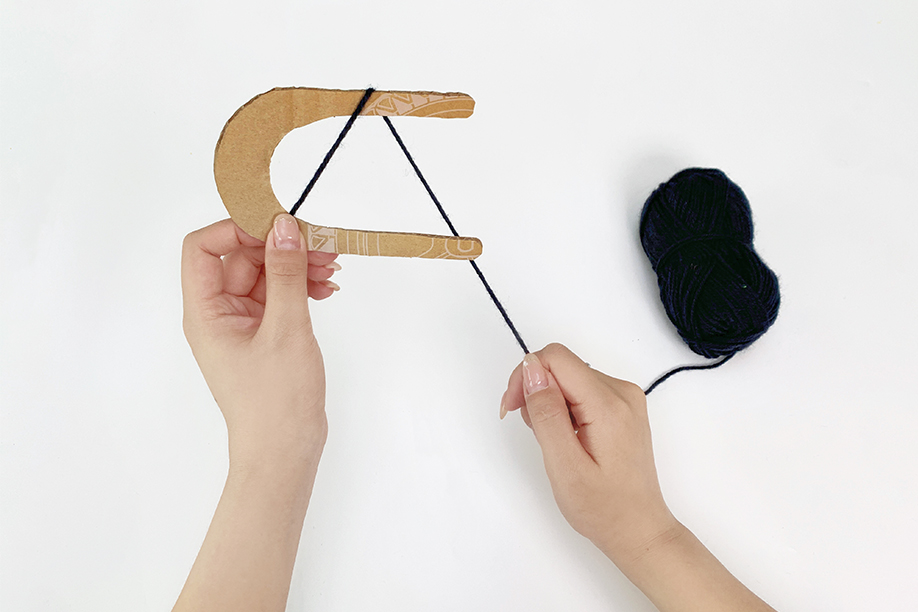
column 595, row 438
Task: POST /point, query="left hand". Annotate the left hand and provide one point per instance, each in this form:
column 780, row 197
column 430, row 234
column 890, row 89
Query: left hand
column 248, row 324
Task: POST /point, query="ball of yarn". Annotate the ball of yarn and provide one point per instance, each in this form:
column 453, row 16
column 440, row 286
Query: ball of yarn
column 696, row 228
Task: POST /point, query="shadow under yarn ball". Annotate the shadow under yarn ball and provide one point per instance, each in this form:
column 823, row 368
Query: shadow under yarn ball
column 696, row 229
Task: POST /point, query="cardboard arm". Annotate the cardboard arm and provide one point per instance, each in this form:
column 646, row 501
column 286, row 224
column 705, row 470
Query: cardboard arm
column 242, row 165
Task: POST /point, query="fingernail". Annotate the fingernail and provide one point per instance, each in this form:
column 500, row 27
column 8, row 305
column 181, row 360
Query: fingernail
column 331, row 285
column 286, row 233
column 534, row 377
column 333, row 266
column 503, row 406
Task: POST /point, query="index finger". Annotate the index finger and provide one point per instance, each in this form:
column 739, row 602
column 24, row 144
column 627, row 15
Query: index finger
column 579, row 383
column 202, row 250
column 575, row 378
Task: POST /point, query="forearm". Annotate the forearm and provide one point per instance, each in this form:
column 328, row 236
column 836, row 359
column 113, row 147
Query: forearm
column 247, row 558
column 679, row 574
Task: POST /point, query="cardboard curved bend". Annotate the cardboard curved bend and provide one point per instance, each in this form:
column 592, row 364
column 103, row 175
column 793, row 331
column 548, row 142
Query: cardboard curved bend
column 242, row 165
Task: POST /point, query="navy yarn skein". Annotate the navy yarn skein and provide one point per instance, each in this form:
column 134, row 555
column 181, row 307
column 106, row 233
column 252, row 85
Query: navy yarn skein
column 696, row 229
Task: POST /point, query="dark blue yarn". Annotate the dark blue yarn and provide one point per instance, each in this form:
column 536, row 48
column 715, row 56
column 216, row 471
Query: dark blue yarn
column 401, row 144
column 436, row 201
column 696, row 229
column 331, row 151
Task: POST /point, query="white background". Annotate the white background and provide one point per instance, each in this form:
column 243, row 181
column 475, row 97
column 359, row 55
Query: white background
column 796, row 463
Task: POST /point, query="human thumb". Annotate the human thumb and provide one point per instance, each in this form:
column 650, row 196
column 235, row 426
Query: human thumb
column 286, row 264
column 548, row 412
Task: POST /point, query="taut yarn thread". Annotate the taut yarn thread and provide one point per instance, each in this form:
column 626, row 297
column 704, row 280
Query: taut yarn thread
column 315, row 177
column 696, row 229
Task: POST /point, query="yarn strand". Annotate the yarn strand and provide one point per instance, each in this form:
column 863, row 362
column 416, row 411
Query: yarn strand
column 331, row 151
column 709, row 366
column 755, row 291
column 436, row 201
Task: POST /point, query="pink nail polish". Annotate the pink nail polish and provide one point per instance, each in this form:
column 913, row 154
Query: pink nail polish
column 286, row 233
column 534, row 376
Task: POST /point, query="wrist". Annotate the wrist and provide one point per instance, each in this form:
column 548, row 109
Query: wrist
column 640, row 539
column 260, row 454
column 285, row 477
column 658, row 545
column 677, row 572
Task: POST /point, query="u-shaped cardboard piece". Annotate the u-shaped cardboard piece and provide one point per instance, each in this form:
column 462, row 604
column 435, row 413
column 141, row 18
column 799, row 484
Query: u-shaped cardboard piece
column 242, row 165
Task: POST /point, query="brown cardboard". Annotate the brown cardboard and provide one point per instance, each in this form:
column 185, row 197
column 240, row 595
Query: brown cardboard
column 242, row 164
